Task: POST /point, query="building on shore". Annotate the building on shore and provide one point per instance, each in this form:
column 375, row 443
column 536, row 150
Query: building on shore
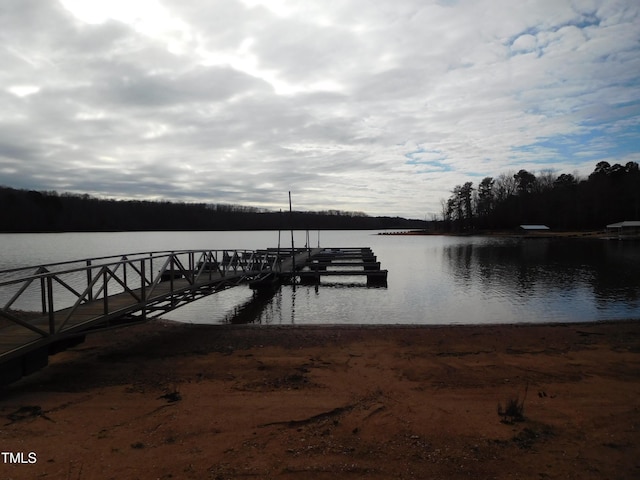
column 628, row 228
column 534, row 228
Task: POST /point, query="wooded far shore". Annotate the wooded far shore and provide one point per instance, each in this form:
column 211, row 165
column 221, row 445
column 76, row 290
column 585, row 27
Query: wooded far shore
column 32, row 211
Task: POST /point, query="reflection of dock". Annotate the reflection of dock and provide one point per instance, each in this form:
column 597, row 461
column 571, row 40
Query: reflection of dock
column 251, row 310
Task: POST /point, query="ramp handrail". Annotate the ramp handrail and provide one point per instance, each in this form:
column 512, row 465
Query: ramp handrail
column 64, row 287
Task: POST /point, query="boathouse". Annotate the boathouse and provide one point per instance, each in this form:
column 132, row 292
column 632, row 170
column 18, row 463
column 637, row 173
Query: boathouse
column 626, row 228
column 534, row 228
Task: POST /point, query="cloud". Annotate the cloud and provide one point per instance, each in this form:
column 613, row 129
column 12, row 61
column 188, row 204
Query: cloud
column 376, row 106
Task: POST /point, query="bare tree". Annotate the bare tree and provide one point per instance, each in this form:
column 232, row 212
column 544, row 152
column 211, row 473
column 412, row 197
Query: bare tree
column 505, row 186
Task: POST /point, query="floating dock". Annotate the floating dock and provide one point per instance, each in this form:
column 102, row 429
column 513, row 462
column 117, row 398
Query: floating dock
column 359, row 261
column 310, row 265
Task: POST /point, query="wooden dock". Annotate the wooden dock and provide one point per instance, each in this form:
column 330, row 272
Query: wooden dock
column 309, row 266
column 344, row 262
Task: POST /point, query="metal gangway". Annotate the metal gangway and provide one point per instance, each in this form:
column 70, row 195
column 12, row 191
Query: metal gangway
column 49, row 308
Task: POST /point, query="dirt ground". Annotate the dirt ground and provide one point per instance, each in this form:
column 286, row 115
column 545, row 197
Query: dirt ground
column 174, row 401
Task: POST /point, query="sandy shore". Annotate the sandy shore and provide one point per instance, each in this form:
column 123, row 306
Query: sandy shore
column 172, row 401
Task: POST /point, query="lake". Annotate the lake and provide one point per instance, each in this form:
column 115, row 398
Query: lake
column 431, row 280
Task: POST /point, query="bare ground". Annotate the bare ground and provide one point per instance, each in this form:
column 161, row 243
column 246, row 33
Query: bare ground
column 171, row 401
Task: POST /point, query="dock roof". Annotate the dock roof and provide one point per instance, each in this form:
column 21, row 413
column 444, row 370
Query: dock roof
column 534, row 227
column 625, row 224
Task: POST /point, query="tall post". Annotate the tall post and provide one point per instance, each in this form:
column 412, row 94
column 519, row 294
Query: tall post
column 124, row 269
column 105, row 294
column 50, row 307
column 43, row 294
column 171, row 264
column 143, row 289
column 278, row 252
column 293, row 251
column 89, row 279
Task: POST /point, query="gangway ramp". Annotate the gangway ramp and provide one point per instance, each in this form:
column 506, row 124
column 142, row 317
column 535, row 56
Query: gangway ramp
column 47, row 308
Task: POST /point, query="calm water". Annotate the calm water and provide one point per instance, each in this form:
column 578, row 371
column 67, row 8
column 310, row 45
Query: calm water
column 432, row 279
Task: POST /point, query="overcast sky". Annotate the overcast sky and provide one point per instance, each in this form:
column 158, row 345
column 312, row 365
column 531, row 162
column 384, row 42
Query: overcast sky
column 379, row 106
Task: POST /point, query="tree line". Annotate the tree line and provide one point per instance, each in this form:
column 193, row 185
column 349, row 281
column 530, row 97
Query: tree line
column 50, row 211
column 611, row 193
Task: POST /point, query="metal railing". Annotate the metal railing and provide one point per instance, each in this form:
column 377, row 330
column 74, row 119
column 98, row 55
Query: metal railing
column 50, row 299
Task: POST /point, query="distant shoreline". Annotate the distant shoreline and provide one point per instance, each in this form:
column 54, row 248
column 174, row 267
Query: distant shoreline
column 597, row 235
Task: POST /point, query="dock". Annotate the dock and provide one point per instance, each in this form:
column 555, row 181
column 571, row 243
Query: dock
column 46, row 309
column 344, row 262
column 309, row 266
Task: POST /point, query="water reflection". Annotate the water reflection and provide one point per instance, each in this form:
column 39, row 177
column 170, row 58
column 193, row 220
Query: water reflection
column 251, row 311
column 530, row 269
column 271, row 306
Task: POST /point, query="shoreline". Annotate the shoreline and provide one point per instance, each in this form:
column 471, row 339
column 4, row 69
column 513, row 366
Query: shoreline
column 568, row 235
column 177, row 400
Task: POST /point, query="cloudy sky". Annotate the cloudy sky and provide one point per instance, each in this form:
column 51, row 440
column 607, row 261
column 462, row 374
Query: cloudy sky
column 379, row 106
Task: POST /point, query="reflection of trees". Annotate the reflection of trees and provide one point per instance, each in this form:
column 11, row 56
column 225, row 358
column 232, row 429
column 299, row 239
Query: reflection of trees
column 495, row 267
column 610, row 269
column 618, row 278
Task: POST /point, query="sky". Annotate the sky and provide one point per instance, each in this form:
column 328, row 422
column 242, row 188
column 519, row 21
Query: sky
column 373, row 106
